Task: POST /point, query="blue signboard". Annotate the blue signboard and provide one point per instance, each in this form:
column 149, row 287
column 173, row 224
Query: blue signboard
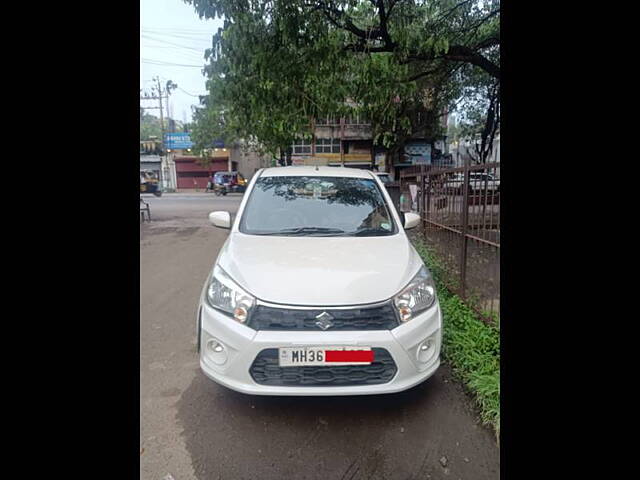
column 179, row 141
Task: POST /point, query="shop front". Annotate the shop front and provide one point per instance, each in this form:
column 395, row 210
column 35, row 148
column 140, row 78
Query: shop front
column 194, row 172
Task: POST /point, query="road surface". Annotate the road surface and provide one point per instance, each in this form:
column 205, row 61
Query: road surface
column 192, row 428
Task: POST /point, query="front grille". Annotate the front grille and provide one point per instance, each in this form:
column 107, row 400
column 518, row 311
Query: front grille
column 266, row 370
column 380, row 317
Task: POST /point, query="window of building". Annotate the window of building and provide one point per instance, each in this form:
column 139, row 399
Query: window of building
column 328, row 145
column 356, row 119
column 327, row 120
column 301, row 147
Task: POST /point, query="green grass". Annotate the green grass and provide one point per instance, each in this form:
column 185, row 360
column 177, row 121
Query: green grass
column 470, row 346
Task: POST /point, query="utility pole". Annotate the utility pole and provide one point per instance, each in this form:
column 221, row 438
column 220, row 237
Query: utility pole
column 161, row 115
column 159, row 95
column 341, row 141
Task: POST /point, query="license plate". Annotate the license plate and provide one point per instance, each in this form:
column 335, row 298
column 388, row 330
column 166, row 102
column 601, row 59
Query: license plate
column 319, row 356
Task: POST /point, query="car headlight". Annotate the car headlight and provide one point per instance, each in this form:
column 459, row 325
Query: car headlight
column 225, row 295
column 419, row 295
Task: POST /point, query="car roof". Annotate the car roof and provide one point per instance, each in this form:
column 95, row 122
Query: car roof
column 320, row 171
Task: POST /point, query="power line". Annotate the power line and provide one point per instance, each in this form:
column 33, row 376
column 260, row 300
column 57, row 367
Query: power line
column 180, row 88
column 179, row 30
column 172, row 43
column 171, row 56
column 194, row 37
column 168, row 64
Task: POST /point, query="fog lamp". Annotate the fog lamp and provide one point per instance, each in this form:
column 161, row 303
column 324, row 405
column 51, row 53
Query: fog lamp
column 216, row 351
column 426, row 349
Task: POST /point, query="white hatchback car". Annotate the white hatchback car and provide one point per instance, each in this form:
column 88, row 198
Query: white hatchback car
column 317, row 290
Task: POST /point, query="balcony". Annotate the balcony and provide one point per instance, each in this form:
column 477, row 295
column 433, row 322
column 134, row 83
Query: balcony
column 332, row 158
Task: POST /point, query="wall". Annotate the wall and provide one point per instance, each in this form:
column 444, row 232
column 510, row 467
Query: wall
column 190, row 174
column 351, row 132
column 248, row 161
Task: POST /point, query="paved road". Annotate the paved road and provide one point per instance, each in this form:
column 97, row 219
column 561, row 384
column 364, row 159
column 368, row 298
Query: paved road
column 192, row 428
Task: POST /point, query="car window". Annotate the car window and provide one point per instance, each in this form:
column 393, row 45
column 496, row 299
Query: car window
column 316, row 206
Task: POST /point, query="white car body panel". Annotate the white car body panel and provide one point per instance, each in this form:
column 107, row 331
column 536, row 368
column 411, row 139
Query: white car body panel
column 317, row 272
column 320, row 270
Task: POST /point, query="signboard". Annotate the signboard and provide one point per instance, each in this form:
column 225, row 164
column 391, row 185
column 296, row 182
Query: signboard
column 177, row 141
column 413, row 188
column 418, row 153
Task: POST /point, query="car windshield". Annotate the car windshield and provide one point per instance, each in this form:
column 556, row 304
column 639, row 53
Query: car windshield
column 316, row 206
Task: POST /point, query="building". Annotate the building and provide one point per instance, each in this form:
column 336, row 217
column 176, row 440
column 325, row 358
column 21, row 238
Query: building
column 348, row 141
column 459, row 151
column 248, row 161
column 193, row 172
column 336, row 141
column 151, row 163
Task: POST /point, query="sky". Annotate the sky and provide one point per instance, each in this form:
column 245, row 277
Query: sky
column 172, row 36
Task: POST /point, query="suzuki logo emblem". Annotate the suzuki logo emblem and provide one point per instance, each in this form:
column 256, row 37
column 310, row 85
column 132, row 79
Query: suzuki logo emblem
column 324, row 321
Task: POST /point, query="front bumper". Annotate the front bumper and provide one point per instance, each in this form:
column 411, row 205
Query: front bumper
column 230, row 367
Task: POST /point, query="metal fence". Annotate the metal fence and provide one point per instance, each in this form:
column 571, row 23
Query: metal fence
column 460, row 211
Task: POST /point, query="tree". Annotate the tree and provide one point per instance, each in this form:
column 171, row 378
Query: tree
column 276, row 64
column 150, row 126
column 480, row 114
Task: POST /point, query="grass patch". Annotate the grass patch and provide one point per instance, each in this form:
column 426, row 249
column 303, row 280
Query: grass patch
column 470, row 346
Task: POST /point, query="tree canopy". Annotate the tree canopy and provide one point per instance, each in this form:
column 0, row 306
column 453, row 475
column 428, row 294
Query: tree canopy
column 276, row 64
column 150, row 126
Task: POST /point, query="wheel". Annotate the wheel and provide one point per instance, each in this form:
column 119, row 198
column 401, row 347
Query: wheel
column 158, row 193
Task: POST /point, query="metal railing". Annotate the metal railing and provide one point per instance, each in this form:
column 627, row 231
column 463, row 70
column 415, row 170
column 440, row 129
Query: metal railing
column 460, row 211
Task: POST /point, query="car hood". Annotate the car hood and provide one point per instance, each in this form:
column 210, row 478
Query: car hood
column 320, row 271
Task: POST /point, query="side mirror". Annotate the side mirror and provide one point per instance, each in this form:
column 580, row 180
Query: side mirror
column 220, row 219
column 411, row 220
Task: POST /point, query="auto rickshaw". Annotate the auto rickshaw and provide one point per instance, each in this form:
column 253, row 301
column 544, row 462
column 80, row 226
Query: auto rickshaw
column 228, row 182
column 149, row 183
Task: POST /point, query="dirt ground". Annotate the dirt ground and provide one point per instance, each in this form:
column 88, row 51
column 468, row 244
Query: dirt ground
column 192, row 428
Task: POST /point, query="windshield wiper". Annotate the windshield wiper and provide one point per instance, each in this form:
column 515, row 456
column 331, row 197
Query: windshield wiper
column 312, row 230
column 363, row 232
column 315, row 231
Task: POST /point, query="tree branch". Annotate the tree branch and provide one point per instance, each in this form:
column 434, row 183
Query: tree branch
column 461, row 53
column 391, row 5
column 383, row 25
column 488, row 42
column 348, row 24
